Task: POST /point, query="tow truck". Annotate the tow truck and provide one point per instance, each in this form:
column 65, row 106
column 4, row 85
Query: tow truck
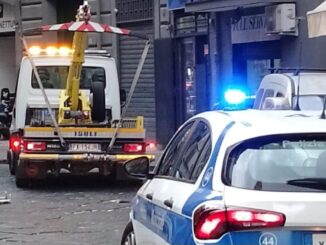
column 69, row 113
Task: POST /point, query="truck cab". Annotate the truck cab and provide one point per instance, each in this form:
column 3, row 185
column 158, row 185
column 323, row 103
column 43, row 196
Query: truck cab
column 31, row 109
column 300, row 90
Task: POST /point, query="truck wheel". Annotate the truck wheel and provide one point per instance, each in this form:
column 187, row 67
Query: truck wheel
column 98, row 106
column 22, row 183
column 10, row 160
column 22, row 180
column 128, row 236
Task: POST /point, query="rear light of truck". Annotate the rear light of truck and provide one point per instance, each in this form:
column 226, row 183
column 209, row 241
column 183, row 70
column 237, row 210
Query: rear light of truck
column 151, row 146
column 35, row 146
column 213, row 223
column 134, row 148
column 15, row 143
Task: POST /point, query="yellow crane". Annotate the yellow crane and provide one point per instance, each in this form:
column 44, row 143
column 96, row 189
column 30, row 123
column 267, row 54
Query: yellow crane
column 74, row 104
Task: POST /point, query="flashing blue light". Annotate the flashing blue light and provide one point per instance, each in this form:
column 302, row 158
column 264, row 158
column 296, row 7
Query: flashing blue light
column 234, row 96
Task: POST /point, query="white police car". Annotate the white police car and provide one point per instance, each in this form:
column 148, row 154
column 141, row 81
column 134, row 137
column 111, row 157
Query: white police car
column 229, row 178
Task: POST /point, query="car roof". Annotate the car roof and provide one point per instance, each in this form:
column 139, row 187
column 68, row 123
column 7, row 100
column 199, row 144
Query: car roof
column 311, row 83
column 248, row 124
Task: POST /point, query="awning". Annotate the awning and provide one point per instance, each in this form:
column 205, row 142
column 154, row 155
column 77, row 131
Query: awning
column 225, row 5
column 317, row 21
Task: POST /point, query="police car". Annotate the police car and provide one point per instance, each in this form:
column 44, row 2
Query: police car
column 248, row 177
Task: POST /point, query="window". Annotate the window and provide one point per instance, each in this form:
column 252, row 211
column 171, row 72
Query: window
column 55, row 77
column 268, row 93
column 134, row 10
column 192, row 151
column 258, row 99
column 279, row 163
column 203, row 158
column 173, row 152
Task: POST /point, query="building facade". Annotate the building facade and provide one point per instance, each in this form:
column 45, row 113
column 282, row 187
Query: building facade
column 7, row 45
column 217, row 44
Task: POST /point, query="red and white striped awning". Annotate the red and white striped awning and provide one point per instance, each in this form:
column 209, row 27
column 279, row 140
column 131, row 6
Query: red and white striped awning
column 82, row 26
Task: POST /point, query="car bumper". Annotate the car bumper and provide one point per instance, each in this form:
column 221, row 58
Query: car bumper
column 82, row 157
column 315, row 236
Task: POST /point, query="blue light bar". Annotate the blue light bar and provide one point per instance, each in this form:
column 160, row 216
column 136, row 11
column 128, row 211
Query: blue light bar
column 234, row 96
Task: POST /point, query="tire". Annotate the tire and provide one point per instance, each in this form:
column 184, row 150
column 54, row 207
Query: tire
column 98, row 105
column 22, row 183
column 10, row 160
column 6, row 134
column 22, row 180
column 128, row 236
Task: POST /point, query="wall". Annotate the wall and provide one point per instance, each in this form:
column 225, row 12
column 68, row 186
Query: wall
column 223, row 59
column 37, row 13
column 313, row 50
column 7, row 63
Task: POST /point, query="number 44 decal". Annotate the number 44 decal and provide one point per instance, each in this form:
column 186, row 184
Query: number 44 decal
column 267, row 239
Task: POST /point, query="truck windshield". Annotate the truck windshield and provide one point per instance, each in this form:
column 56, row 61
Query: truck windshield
column 279, row 163
column 55, row 77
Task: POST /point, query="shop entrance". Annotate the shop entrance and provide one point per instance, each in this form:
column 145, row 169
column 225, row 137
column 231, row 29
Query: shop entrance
column 193, row 76
column 252, row 61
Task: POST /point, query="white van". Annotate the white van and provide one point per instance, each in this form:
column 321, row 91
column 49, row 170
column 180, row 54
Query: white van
column 310, row 85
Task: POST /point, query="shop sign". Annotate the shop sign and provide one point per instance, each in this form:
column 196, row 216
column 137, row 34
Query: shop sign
column 176, row 4
column 7, row 18
column 250, row 28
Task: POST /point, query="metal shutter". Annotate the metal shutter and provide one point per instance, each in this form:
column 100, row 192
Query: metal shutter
column 143, row 100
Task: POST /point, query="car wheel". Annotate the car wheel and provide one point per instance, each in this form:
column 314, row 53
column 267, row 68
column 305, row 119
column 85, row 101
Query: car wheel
column 128, row 236
column 98, row 105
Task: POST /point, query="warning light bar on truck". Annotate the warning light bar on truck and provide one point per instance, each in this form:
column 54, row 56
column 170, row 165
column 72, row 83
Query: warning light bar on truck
column 50, row 51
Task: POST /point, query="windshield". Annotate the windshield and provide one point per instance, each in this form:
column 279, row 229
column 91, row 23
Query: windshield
column 55, row 77
column 279, row 163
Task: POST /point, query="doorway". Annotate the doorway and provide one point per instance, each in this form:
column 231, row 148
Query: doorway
column 192, row 96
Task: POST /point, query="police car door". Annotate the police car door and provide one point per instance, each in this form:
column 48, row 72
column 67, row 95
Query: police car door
column 175, row 183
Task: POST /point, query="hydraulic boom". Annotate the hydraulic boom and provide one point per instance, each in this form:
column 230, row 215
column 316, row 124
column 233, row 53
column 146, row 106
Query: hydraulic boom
column 74, row 104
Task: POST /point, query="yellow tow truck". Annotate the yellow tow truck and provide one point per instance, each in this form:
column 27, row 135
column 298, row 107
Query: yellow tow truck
column 69, row 113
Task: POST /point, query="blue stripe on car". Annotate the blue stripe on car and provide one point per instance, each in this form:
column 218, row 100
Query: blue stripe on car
column 176, row 228
column 170, row 226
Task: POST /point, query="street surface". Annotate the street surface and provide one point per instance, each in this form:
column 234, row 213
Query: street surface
column 65, row 210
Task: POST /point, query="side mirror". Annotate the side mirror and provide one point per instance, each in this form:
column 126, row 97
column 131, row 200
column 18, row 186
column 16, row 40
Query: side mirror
column 137, row 167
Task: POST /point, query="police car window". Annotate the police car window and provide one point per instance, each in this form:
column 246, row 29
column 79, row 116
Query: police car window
column 192, row 151
column 268, row 93
column 258, row 99
column 279, row 163
column 173, row 151
column 55, row 77
column 203, row 158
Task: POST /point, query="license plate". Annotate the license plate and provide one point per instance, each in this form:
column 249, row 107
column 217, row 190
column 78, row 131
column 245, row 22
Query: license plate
column 85, row 147
column 319, row 239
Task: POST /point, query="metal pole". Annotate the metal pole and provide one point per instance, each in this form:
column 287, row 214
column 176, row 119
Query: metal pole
column 38, row 79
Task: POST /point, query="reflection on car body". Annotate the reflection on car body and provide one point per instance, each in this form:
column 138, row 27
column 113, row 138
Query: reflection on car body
column 242, row 177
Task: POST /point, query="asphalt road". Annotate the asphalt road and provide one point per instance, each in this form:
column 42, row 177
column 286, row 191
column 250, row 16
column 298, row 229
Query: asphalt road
column 65, row 210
